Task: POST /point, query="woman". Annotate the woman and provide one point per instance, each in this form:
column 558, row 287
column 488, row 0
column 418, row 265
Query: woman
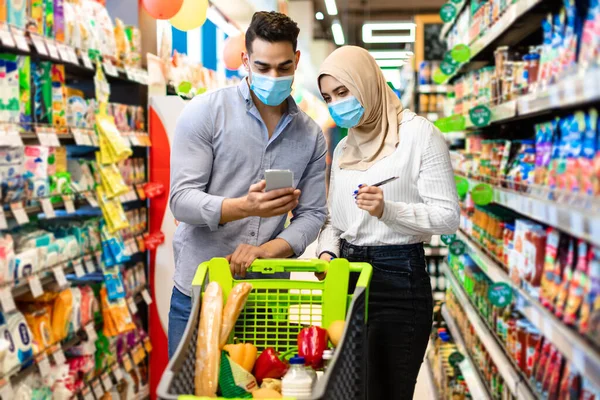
column 386, row 226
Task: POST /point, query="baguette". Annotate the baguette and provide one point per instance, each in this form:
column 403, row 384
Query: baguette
column 208, row 353
column 235, row 304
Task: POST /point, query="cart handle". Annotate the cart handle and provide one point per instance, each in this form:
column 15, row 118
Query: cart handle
column 271, row 266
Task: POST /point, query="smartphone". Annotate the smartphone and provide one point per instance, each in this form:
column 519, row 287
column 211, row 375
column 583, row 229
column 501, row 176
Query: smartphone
column 278, row 179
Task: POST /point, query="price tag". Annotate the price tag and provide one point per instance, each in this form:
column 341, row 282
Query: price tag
column 86, row 140
column 78, row 136
column 548, row 329
column 72, row 55
column 20, row 40
column 89, row 264
column 78, row 267
column 52, row 49
column 90, row 331
column 36, row 286
column 7, row 300
column 53, row 139
column 91, row 199
column 6, row 390
column 59, row 275
column 87, row 62
column 127, row 362
column 69, row 205
column 47, row 208
column 147, row 345
column 3, row 222
column 99, row 259
column 40, row 46
column 130, row 74
column 87, row 394
column 64, row 52
column 132, row 306
column 94, row 139
column 116, row 370
column 579, row 360
column 106, row 382
column 98, row 391
column 146, row 296
column 59, row 356
column 43, row 364
column 19, row 213
column 6, row 36
column 110, row 69
column 577, row 223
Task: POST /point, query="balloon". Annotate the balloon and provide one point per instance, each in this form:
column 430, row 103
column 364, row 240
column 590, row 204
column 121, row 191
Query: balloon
column 232, row 51
column 162, row 9
column 191, row 15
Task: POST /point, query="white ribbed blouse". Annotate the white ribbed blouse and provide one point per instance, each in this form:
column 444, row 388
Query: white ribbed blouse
column 421, row 203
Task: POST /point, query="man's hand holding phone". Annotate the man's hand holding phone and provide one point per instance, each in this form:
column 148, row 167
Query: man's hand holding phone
column 259, row 203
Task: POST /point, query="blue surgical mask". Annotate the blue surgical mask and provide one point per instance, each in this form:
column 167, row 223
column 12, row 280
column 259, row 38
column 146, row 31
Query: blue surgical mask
column 346, row 113
column 271, row 91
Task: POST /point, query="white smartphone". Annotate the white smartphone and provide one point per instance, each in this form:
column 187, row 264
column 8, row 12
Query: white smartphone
column 278, row 179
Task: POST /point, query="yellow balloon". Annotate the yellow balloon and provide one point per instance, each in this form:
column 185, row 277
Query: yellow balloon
column 191, row 15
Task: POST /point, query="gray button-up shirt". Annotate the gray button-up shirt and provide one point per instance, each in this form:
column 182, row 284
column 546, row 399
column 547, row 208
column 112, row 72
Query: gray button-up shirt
column 221, row 147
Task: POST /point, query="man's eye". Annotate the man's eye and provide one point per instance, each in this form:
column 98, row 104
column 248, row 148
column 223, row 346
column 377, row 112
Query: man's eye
column 263, row 70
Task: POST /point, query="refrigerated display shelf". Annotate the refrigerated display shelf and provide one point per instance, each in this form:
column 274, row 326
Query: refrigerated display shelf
column 477, row 386
column 584, row 356
column 517, row 384
column 568, row 216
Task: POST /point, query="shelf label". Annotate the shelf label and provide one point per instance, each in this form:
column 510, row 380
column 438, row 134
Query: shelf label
column 132, row 306
column 87, row 62
column 59, row 275
column 87, row 394
column 39, row 44
column 98, row 391
column 448, row 239
column 577, row 224
column 47, row 208
column 110, row 69
column 116, row 370
column 72, row 55
column 127, row 362
column 106, row 382
column 19, row 213
column 480, row 116
column 7, row 300
column 89, row 264
column 6, row 36
column 64, row 52
column 59, row 356
column 91, row 333
column 98, row 256
column 146, row 296
column 457, row 248
column 20, row 39
column 52, row 49
column 500, row 294
column 43, row 364
column 6, row 389
column 78, row 267
column 3, row 222
column 447, row 12
column 36, row 286
column 91, row 199
column 455, row 358
column 69, row 205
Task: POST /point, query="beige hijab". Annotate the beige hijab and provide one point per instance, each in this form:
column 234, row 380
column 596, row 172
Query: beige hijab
column 376, row 135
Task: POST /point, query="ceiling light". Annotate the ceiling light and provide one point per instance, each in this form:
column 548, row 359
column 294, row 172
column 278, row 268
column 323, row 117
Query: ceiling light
column 390, row 63
column 331, row 7
column 369, row 28
column 319, row 16
column 338, row 33
column 391, row 55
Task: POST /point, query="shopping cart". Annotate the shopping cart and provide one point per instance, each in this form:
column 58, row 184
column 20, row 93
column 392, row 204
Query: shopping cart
column 276, row 311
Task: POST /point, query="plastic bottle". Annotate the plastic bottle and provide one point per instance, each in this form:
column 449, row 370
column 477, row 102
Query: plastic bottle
column 297, row 382
column 327, row 356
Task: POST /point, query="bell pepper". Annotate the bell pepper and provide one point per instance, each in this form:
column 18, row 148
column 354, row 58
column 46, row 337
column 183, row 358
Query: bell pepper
column 243, row 354
column 312, row 342
column 269, row 365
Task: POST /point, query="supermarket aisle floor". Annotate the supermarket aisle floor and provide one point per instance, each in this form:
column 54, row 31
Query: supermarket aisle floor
column 422, row 391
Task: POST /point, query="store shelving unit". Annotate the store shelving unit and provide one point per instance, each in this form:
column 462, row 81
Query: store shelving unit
column 448, row 26
column 570, row 343
column 477, row 387
column 433, row 390
column 432, row 89
column 500, row 113
column 515, row 381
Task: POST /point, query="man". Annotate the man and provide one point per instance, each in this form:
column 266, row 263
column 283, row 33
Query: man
column 224, row 142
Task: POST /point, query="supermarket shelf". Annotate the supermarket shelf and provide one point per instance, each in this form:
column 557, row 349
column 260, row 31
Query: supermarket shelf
column 488, row 265
column 517, row 386
column 448, row 26
column 477, row 387
column 570, row 343
column 500, row 113
column 436, row 251
column 433, row 390
column 579, row 89
column 567, row 217
column 432, row 89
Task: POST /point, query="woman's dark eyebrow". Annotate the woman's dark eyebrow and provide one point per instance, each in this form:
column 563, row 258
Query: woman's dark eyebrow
column 339, row 87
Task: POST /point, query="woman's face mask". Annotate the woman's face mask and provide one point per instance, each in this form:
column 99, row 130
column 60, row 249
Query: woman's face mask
column 346, row 113
column 271, row 91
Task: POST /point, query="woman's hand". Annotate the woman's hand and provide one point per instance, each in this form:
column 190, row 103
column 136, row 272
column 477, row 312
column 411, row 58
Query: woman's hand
column 325, row 257
column 370, row 199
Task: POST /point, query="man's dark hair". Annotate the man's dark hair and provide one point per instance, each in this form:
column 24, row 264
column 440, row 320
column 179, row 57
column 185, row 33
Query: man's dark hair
column 272, row 27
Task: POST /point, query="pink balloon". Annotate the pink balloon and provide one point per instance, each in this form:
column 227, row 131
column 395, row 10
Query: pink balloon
column 162, row 9
column 232, row 52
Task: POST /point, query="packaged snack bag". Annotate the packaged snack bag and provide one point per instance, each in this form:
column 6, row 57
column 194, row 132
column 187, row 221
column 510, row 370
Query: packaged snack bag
column 59, row 21
column 58, row 95
column 17, row 13
column 37, row 16
column 42, row 92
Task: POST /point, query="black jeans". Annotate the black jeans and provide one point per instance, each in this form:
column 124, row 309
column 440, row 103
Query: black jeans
column 399, row 316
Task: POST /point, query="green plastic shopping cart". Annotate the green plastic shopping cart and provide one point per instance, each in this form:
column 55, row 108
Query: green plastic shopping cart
column 276, row 311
